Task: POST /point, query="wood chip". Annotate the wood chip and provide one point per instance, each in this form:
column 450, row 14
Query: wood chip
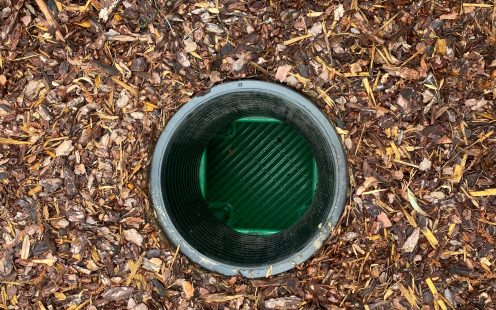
column 13, row 141
column 133, row 236
column 291, row 302
column 217, row 298
column 297, row 39
column 64, row 149
column 187, row 289
column 411, row 241
column 430, row 237
column 25, row 247
column 46, row 12
column 403, row 72
column 409, row 296
column 282, row 72
column 457, row 175
column 486, row 192
column 383, row 218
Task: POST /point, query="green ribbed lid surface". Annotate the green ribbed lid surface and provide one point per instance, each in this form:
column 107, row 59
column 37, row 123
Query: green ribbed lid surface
column 258, row 175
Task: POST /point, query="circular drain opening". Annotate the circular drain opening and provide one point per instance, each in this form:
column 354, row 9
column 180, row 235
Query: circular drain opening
column 181, row 181
column 258, row 175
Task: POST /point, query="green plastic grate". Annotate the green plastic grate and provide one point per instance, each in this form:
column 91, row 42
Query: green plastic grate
column 258, row 175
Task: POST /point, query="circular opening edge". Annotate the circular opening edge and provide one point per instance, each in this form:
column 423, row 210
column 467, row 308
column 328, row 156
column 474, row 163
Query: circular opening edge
column 324, row 228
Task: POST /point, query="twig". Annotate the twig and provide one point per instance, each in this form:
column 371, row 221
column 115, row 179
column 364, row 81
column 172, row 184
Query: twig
column 48, row 16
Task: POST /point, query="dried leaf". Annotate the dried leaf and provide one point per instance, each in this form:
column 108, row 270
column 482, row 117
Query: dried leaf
column 117, row 293
column 339, row 12
column 190, row 45
column 214, row 10
column 369, row 181
column 449, row 16
column 213, row 28
column 413, row 202
column 107, row 10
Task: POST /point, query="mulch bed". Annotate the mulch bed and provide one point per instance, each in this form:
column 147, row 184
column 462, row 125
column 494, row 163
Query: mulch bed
column 87, row 87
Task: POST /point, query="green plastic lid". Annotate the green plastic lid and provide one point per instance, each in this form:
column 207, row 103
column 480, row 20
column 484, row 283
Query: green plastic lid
column 258, row 175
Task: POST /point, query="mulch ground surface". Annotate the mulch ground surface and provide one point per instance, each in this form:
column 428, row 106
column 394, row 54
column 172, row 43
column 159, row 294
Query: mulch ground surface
column 86, row 87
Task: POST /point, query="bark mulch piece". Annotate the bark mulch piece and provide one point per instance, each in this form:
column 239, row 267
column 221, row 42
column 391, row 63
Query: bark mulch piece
column 87, row 86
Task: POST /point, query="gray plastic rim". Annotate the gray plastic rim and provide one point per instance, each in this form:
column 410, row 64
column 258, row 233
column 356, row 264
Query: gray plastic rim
column 324, row 229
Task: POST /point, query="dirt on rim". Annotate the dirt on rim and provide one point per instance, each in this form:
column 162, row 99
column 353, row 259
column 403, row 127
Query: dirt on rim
column 86, row 87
